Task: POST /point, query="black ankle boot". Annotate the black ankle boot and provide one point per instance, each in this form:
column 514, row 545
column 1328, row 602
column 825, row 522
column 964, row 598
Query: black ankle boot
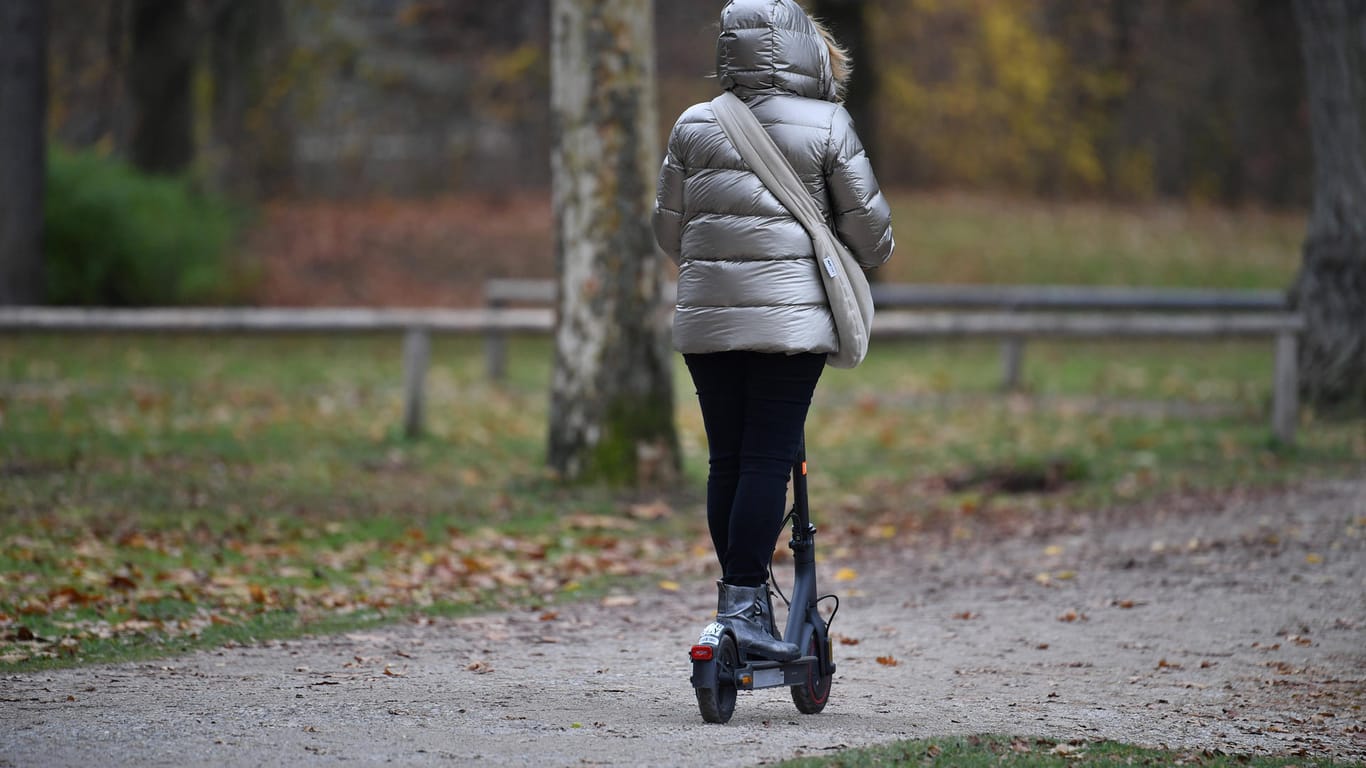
column 749, row 613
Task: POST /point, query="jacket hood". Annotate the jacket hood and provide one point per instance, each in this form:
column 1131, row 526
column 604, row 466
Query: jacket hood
column 772, row 46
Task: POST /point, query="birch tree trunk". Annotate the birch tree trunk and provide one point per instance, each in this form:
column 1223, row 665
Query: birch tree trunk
column 611, row 405
column 23, row 155
column 1330, row 289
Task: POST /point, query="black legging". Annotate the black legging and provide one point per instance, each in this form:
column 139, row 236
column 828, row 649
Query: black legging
column 754, row 410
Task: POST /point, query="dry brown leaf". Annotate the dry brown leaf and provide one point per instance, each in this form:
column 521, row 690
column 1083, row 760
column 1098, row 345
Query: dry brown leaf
column 887, row 661
column 479, row 667
column 657, row 510
column 122, row 583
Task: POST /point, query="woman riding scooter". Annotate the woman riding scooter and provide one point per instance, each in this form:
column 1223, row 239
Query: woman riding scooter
column 752, row 318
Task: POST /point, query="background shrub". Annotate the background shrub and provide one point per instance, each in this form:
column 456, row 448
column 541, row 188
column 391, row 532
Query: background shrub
column 117, row 237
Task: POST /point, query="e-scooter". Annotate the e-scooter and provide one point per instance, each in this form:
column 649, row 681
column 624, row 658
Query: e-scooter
column 720, row 668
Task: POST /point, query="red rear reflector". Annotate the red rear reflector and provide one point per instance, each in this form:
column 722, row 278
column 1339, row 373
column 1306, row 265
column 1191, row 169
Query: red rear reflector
column 701, row 652
column 803, row 467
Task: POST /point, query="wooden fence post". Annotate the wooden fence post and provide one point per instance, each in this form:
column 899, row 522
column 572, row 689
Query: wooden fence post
column 1012, row 360
column 1285, row 406
column 495, row 345
column 416, row 352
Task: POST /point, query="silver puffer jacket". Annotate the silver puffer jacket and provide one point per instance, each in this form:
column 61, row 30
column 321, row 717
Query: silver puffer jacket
column 747, row 270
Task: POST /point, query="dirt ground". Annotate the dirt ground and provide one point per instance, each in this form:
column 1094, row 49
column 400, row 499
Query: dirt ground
column 1238, row 625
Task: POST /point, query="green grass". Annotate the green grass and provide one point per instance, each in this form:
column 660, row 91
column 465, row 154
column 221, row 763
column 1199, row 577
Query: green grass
column 993, row 751
column 976, row 239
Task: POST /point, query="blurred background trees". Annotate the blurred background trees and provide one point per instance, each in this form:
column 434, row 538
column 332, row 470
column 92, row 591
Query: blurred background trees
column 1161, row 99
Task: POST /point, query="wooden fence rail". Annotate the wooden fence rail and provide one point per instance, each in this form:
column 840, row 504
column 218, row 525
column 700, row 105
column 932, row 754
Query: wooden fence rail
column 1021, row 312
column 1018, row 316
column 417, row 325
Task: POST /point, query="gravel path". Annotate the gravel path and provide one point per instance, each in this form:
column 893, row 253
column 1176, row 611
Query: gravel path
column 1240, row 627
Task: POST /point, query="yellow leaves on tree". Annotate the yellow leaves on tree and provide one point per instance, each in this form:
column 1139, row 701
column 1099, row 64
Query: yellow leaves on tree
column 1004, row 103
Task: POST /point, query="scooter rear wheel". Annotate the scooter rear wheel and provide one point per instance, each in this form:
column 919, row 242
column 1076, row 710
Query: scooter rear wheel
column 810, row 696
column 718, row 703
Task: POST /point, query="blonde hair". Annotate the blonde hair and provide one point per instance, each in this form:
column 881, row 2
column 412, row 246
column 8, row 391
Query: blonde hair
column 841, row 63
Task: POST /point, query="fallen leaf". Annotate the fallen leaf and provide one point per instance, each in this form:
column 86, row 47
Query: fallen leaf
column 846, row 574
column 619, row 601
column 479, row 667
column 1313, row 558
column 966, row 616
column 848, row 640
column 1072, row 616
column 882, row 532
column 1164, row 664
column 887, row 661
column 655, row 511
column 669, row 586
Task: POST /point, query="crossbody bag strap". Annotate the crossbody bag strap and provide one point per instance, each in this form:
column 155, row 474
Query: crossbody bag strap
column 767, row 161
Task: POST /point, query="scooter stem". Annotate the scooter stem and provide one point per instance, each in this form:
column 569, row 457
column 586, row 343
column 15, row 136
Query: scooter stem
column 802, row 609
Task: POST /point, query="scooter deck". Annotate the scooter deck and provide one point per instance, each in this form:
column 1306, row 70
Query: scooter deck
column 765, row 673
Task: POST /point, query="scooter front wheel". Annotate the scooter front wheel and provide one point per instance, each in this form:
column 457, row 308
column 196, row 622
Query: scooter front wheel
column 811, row 695
column 716, row 700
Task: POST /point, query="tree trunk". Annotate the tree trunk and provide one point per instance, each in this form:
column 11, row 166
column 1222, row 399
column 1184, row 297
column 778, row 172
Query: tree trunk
column 244, row 36
column 160, row 77
column 23, row 152
column 1330, row 289
column 847, row 20
column 611, row 405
